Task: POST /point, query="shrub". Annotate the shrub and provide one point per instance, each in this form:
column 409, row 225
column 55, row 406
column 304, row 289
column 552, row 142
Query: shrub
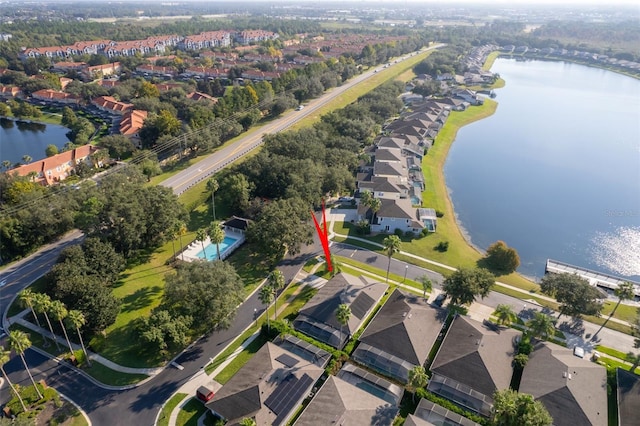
column 439, row 213
column 424, row 232
column 442, row 246
column 409, row 234
column 398, row 232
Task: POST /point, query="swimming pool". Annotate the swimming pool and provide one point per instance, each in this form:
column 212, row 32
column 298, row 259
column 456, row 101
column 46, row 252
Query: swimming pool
column 210, row 251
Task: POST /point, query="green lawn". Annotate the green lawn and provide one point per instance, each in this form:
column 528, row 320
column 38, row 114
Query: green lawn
column 163, row 418
column 241, row 359
column 190, row 413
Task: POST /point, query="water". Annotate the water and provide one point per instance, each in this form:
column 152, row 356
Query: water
column 555, row 172
column 211, row 251
column 19, row 138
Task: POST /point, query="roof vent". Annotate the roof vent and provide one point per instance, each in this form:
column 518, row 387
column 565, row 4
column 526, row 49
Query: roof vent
column 404, row 314
column 569, row 376
column 564, row 374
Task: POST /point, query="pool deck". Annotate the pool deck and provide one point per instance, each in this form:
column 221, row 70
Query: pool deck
column 190, row 253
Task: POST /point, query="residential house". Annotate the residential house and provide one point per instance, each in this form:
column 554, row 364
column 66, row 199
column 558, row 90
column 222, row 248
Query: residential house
column 392, row 215
column 100, row 71
column 474, row 360
column 400, row 336
column 111, row 105
column 318, row 317
column 131, row 123
column 254, row 36
column 10, row 92
column 628, row 397
column 270, row 386
column 206, row 40
column 57, row 167
column 428, row 414
column 572, row 389
column 55, row 97
column 199, row 96
column 468, row 96
column 352, row 398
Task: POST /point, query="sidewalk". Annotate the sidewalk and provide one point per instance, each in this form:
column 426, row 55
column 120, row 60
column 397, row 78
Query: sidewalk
column 201, row 378
column 19, row 319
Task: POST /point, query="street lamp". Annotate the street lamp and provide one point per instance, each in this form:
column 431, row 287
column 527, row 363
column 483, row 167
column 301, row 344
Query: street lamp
column 406, row 268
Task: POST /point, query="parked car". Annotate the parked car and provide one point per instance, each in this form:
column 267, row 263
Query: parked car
column 300, row 108
column 204, row 394
column 439, row 300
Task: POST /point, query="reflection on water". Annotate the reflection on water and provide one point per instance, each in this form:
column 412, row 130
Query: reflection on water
column 619, row 251
column 5, row 123
column 26, row 126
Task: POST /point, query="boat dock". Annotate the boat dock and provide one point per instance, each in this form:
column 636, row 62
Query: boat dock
column 608, row 282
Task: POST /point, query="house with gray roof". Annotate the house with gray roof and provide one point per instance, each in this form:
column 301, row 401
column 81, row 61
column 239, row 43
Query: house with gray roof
column 393, row 214
column 353, row 398
column 573, row 390
column 318, row 317
column 400, row 336
column 270, row 386
column 430, row 414
column 474, row 360
column 628, row 397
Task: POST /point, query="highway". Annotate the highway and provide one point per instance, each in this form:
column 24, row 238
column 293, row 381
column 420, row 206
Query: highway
column 140, row 405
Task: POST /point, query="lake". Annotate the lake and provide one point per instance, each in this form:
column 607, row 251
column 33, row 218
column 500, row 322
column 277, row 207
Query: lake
column 19, row 138
column 555, row 172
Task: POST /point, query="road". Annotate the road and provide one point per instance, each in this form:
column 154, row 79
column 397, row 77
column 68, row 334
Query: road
column 141, row 404
column 223, row 157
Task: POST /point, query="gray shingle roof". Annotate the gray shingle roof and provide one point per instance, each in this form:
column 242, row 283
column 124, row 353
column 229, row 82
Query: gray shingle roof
column 573, row 390
column 628, row 398
column 245, row 393
column 405, row 327
column 338, row 402
column 360, row 293
column 476, row 356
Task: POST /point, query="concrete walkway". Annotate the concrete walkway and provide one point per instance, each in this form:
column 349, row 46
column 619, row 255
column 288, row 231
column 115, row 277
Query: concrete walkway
column 19, row 319
column 201, row 378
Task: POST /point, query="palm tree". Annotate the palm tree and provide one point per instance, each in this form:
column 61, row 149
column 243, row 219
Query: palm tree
column 505, row 314
column 276, row 282
column 77, row 319
column 216, row 235
column 27, row 298
column 19, row 341
column 541, row 325
column 5, row 356
column 427, row 285
column 6, row 164
column 26, row 159
column 59, row 312
column 634, row 359
column 201, row 235
column 625, row 291
column 343, row 313
column 247, row 422
column 391, row 246
column 42, row 305
column 417, row 378
column 212, row 185
column 374, row 205
column 266, row 297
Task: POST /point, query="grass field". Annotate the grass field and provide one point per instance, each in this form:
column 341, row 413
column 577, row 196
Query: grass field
column 190, row 413
column 163, row 418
